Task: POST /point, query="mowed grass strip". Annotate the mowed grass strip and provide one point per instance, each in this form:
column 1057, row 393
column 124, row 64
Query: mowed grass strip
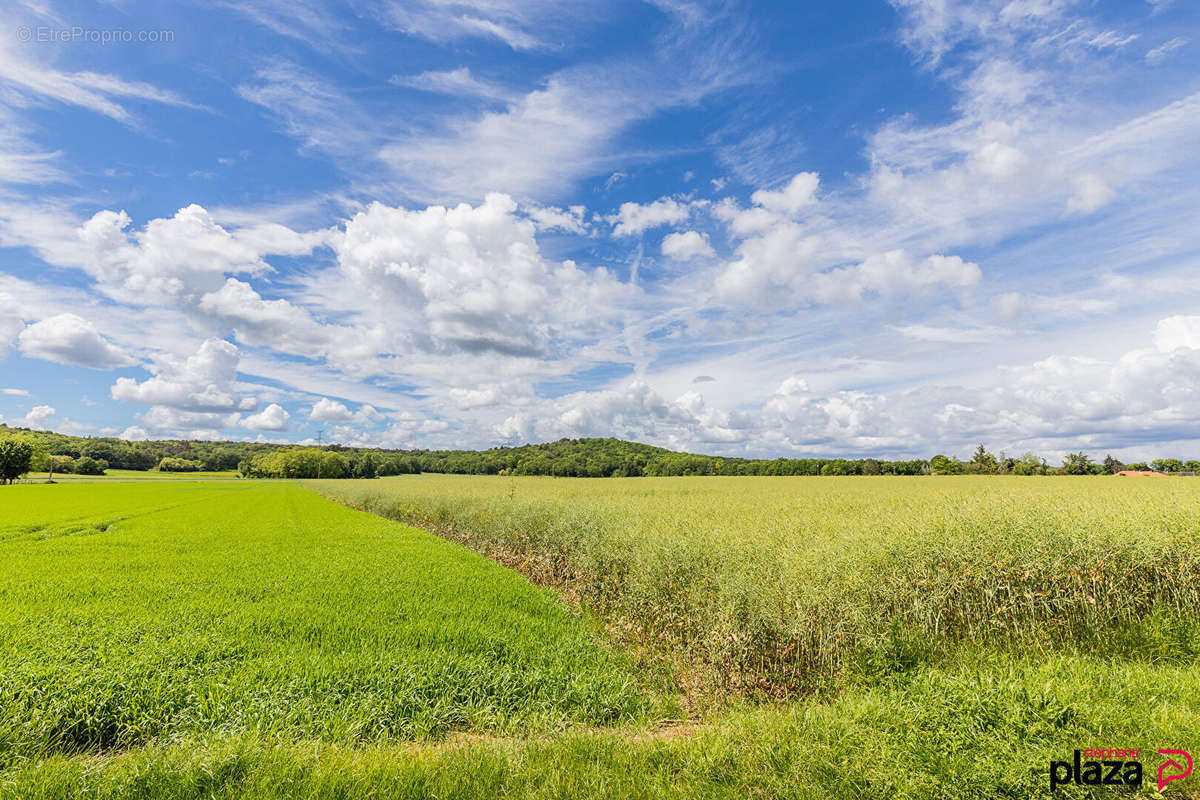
column 114, row 475
column 984, row 728
column 133, row 613
column 785, row 584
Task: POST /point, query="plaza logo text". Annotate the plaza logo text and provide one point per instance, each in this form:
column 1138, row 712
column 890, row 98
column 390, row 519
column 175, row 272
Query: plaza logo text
column 1113, row 767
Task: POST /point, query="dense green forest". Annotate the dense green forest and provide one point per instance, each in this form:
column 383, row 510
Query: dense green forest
column 585, row 458
column 588, row 458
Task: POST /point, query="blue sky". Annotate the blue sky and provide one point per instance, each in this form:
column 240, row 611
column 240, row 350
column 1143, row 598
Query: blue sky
column 731, row 227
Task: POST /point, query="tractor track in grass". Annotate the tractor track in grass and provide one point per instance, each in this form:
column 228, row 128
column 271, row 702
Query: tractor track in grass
column 662, row 731
column 667, row 730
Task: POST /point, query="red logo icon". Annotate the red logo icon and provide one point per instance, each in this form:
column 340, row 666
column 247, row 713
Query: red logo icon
column 1183, row 772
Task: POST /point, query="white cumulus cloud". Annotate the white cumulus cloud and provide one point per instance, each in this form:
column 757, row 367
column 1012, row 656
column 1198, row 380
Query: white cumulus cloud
column 1175, row 332
column 633, row 219
column 71, row 339
column 272, row 418
column 469, row 277
column 327, row 410
column 178, row 259
column 38, row 416
column 800, row 191
column 203, row 382
column 686, row 246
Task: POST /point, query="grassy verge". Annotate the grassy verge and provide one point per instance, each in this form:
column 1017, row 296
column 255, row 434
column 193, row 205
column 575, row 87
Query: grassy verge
column 985, row 728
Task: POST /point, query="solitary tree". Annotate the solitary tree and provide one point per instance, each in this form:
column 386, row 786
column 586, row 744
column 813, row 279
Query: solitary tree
column 1112, row 466
column 15, row 457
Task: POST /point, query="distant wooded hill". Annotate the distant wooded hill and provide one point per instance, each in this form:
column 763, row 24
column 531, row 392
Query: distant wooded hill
column 591, row 458
column 579, row 458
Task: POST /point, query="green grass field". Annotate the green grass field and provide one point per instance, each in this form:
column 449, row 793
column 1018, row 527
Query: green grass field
column 141, row 612
column 827, row 638
column 131, row 475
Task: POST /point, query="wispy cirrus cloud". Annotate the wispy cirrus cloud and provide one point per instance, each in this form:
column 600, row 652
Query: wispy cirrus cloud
column 533, row 141
column 1160, row 54
column 32, row 82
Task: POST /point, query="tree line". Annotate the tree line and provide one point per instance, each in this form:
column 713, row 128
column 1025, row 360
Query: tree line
column 606, row 458
column 317, row 462
column 121, row 454
column 23, row 450
column 984, row 462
